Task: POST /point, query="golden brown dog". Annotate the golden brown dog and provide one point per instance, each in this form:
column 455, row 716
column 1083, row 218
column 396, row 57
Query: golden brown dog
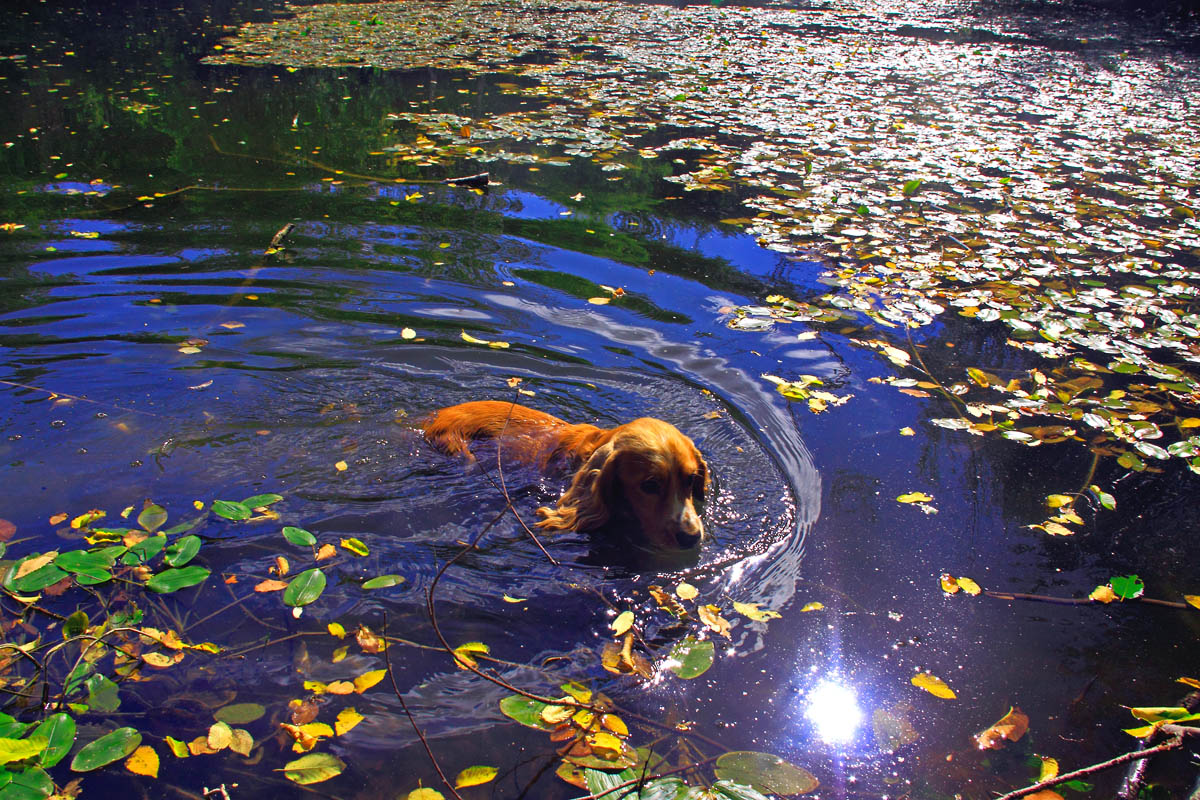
column 646, row 467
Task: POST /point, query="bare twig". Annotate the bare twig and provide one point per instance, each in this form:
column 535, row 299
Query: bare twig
column 387, row 660
column 1094, row 768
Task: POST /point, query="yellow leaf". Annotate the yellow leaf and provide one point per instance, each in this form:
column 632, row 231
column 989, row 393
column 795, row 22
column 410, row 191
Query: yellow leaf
column 161, row 660
column 812, row 607
column 339, row 654
column 199, row 746
column 1192, row 600
column 711, row 617
column 242, row 742
column 969, row 586
column 755, row 613
column 233, row 325
column 914, row 497
column 270, row 585
column 686, row 591
column 325, row 551
column 556, row 714
column 347, row 718
column 615, row 724
column 474, row 776
column 1059, row 500
column 368, row 679
column 577, row 690
column 1048, row 770
column 318, row 729
column 1055, row 529
column 316, row 687
column 1142, row 732
column 934, row 685
column 341, row 687
column 1190, row 422
column 219, row 736
column 604, row 744
column 1103, row 594
column 408, row 333
column 462, row 654
column 949, row 583
column 341, row 466
column 1192, row 682
column 144, row 761
column 336, row 629
column 599, row 301
column 622, row 623
column 907, row 431
column 508, row 599
column 35, row 563
column 425, row 794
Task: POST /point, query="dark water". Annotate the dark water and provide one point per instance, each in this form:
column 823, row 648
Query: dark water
column 149, row 187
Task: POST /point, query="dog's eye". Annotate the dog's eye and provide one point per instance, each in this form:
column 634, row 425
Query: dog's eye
column 650, row 486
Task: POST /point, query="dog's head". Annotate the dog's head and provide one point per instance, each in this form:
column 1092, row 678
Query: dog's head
column 646, row 469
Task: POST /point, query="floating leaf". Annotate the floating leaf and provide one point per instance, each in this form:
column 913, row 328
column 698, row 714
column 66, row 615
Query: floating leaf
column 182, row 551
column 172, row 580
column 914, row 497
column 59, row 732
column 969, row 586
column 355, row 546
column 1009, row 728
column 892, row 728
column 314, row 768
column 755, row 613
column 474, row 776
column 241, row 742
column 299, row 536
column 21, row 749
column 261, row 500
column 239, row 713
column 107, row 749
column 152, row 518
column 304, row 588
column 462, row 654
column 765, row 772
column 383, row 582
column 813, row 606
column 347, row 718
column 143, row 761
column 232, row 510
column 1059, row 500
column 423, row 793
column 1127, row 587
column 178, row 749
column 1103, row 594
column 270, row 585
column 690, row 658
column 622, row 623
column 934, row 685
column 525, row 710
column 686, row 591
column 368, row 679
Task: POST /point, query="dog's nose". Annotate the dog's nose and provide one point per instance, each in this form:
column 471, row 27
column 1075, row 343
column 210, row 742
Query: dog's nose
column 687, row 540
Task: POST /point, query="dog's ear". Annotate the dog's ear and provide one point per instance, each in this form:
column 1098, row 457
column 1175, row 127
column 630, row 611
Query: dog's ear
column 587, row 504
column 700, row 484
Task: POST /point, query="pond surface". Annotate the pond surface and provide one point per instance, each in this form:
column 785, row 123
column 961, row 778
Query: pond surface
column 154, row 344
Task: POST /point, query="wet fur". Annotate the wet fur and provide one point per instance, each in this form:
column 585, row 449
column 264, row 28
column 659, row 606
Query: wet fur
column 645, row 468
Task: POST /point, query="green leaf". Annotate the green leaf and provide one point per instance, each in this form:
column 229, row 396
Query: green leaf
column 383, row 581
column 599, row 782
column 184, row 527
column 526, row 711
column 723, row 790
column 39, row 579
column 314, row 768
column 910, row 187
column 144, row 550
column 106, row 749
column 75, row 624
column 261, row 500
column 1106, row 500
column 691, row 658
column 21, row 749
column 11, row 729
column 152, row 518
column 304, row 588
column 30, row 784
column 172, row 580
column 765, row 772
column 102, row 693
column 299, row 536
column 59, row 730
column 232, row 510
column 239, row 713
column 182, row 551
column 1127, row 587
column 83, row 561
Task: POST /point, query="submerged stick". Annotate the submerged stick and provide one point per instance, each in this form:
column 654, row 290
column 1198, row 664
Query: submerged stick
column 1094, row 768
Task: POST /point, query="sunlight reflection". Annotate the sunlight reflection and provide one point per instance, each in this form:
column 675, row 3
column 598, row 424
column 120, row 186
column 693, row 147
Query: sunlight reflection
column 833, row 709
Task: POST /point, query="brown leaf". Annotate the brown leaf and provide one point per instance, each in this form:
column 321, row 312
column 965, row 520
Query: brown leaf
column 7, row 529
column 58, row 519
column 340, row 687
column 303, row 711
column 326, row 551
column 270, row 585
column 1009, row 728
column 368, row 640
column 712, row 619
